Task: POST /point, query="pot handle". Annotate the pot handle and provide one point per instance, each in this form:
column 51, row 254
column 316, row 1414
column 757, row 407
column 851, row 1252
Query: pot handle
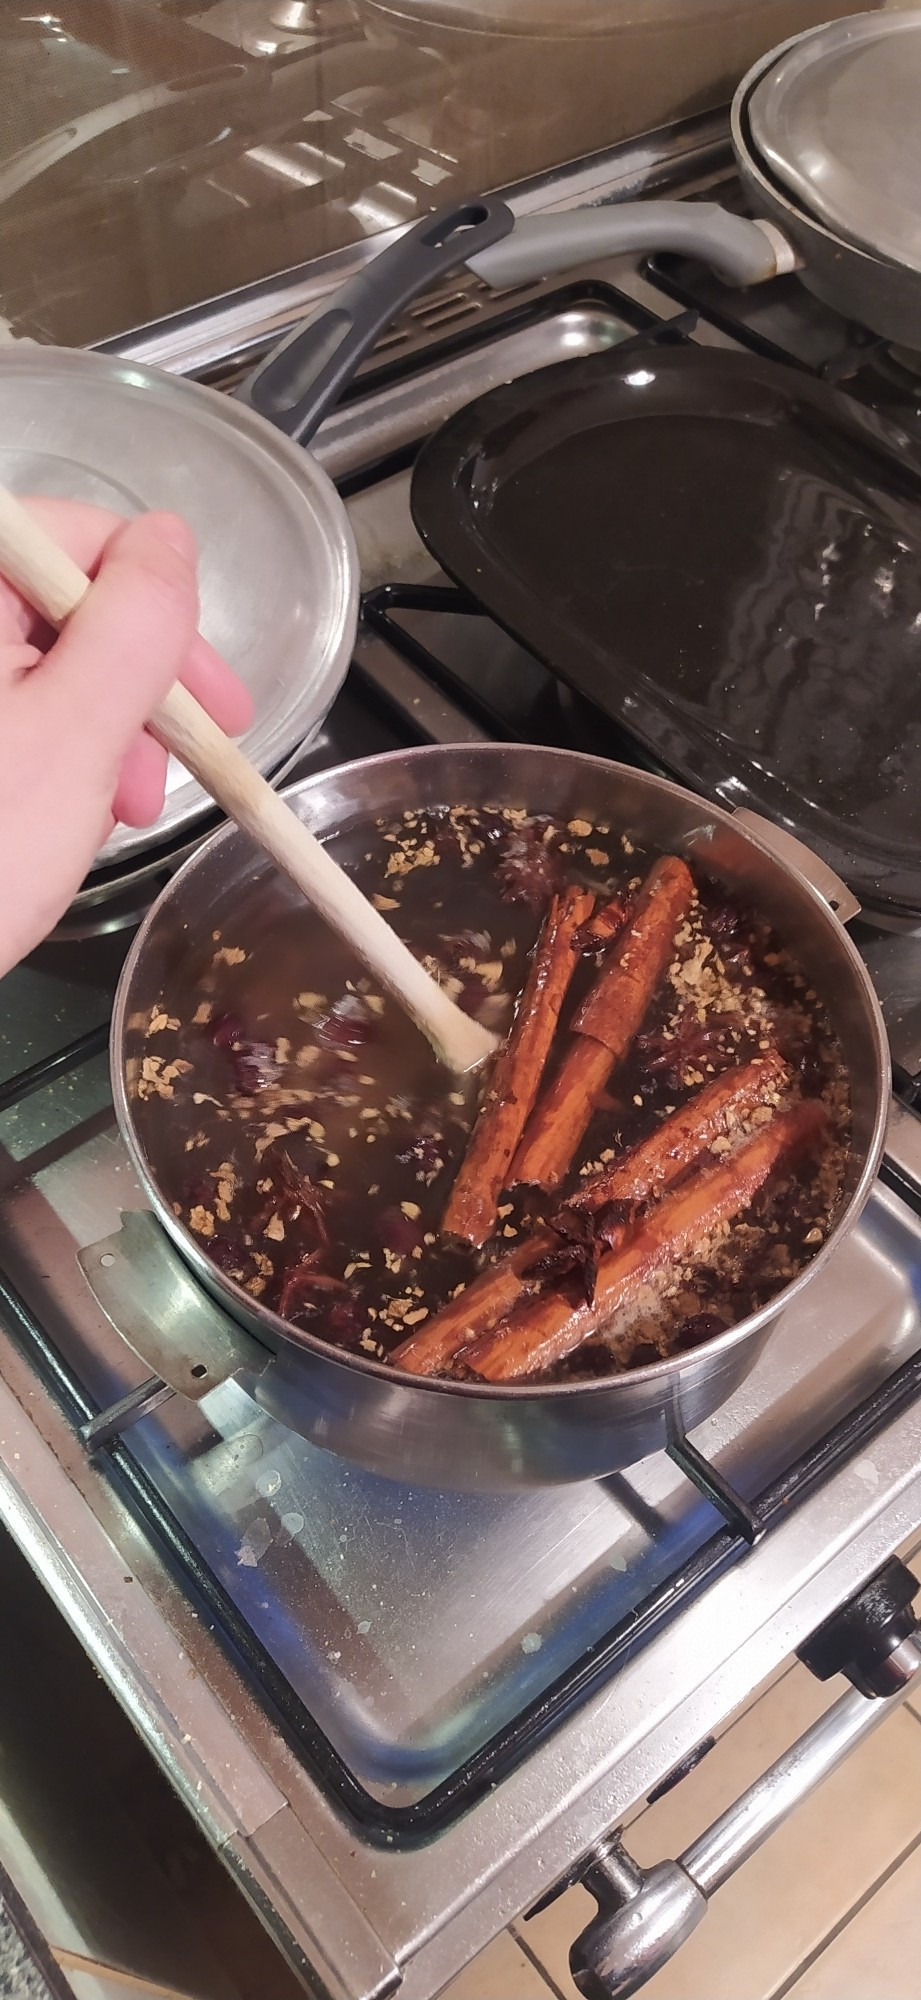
column 168, row 1320
column 843, row 904
column 741, row 251
column 300, row 381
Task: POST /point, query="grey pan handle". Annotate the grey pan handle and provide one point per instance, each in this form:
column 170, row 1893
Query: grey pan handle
column 742, row 252
column 299, row 382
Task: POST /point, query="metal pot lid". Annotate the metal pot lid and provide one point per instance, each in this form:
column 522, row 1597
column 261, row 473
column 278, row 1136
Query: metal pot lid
column 557, row 20
column 836, row 121
column 278, row 568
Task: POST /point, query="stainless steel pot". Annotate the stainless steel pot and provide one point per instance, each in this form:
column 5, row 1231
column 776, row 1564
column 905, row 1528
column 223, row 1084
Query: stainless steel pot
column 456, row 1435
column 849, row 271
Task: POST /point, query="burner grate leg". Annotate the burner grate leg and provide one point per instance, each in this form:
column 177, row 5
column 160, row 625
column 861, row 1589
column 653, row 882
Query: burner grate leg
column 740, row 1516
column 111, row 1423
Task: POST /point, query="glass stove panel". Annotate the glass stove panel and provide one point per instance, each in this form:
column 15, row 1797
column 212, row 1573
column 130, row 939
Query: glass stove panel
column 163, row 152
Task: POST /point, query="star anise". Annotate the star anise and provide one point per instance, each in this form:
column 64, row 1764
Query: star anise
column 571, row 1259
column 304, row 1287
column 584, row 1235
column 294, row 1194
column 528, row 868
column 691, row 1044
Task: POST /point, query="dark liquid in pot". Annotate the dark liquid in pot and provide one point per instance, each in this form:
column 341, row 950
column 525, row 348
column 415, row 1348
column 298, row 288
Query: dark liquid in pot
column 305, row 1134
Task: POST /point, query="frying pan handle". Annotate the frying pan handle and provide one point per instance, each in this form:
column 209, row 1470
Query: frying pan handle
column 742, row 252
column 301, row 379
column 817, row 873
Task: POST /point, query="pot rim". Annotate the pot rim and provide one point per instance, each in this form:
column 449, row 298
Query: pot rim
column 657, row 1372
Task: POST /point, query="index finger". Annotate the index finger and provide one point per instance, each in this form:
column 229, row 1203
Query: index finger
column 85, row 532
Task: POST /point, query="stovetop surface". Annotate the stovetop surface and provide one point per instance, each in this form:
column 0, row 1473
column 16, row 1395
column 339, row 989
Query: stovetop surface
column 407, row 1635
column 410, row 1628
column 404, row 1632
column 415, row 1627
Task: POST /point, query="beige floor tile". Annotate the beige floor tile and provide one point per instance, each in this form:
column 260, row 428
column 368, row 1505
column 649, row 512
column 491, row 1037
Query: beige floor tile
column 771, row 1680
column 99, row 1982
column 501, row 1972
column 782, row 1904
column 550, row 1935
column 877, row 1954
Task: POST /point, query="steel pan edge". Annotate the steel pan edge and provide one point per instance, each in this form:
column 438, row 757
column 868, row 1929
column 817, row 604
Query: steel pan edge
column 853, row 281
column 468, row 1437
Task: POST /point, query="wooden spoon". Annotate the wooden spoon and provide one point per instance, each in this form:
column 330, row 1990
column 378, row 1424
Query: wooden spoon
column 49, row 580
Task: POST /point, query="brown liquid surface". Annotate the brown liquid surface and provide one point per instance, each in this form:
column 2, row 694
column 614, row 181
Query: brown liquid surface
column 306, row 1135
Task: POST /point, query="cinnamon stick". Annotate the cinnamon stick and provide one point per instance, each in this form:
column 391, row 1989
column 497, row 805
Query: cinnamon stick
column 558, row 1125
column 545, row 1331
column 711, row 1113
column 613, row 1009
column 605, row 925
column 477, row 1309
column 516, row 1075
column 607, row 1022
column 649, row 1168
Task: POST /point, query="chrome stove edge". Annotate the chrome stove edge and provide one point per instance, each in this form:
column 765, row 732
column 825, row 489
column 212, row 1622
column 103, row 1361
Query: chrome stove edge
column 88, row 1568
column 370, row 1910
column 203, row 337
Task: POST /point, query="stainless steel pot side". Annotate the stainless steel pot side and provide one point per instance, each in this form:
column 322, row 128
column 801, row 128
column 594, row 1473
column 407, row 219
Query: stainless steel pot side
column 453, row 1435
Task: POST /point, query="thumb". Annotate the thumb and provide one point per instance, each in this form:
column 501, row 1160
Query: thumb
column 125, row 644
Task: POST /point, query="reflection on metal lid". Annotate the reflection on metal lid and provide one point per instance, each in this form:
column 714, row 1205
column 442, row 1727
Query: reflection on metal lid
column 276, row 573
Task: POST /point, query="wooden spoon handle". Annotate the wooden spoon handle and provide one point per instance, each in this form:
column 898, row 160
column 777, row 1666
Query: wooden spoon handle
column 48, row 579
column 228, row 776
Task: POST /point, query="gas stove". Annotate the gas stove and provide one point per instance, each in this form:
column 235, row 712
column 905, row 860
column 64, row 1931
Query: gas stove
column 405, row 1717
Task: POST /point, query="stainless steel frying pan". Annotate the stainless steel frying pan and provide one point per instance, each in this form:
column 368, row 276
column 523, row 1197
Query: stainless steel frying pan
column 826, row 107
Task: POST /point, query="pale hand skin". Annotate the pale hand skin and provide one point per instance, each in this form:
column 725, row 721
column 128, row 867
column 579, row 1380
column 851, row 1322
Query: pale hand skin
column 74, row 754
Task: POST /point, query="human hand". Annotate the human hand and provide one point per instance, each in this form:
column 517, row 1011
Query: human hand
column 74, row 754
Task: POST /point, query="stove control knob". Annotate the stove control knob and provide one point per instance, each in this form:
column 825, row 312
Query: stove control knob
column 870, row 1639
